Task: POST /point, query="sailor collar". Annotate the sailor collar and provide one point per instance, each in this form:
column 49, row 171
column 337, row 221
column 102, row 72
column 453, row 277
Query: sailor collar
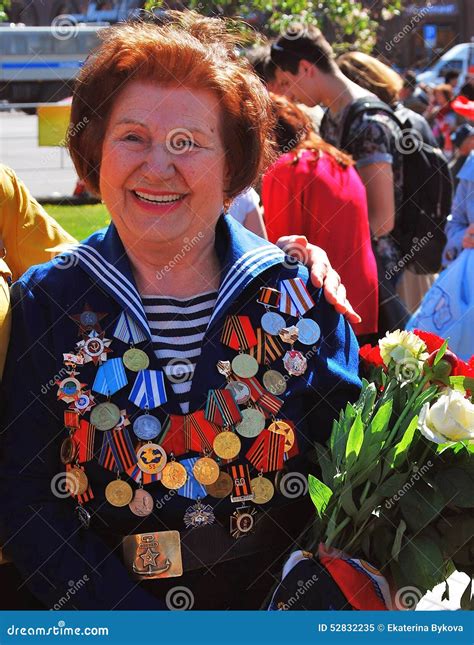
column 242, row 256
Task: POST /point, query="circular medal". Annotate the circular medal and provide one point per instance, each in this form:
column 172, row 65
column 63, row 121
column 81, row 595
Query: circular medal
column 151, row 458
column 244, row 365
column 118, row 493
column 94, row 347
column 252, row 424
column 280, row 427
column 83, row 402
column 240, row 391
column 295, row 363
column 272, row 322
column 174, row 475
column 146, row 426
column 88, row 318
column 226, row 445
column 135, row 359
column 263, row 490
column 274, row 382
column 222, row 487
column 206, row 471
column 309, row 331
column 70, row 386
column 142, row 503
column 76, row 481
column 68, row 451
column 105, row 416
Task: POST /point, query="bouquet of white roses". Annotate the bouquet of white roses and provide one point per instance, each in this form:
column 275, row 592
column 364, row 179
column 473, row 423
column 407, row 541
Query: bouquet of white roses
column 396, row 479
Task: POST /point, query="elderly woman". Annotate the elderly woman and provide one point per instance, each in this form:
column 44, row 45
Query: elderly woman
column 167, row 378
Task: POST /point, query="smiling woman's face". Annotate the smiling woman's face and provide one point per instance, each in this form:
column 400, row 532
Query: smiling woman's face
column 163, row 165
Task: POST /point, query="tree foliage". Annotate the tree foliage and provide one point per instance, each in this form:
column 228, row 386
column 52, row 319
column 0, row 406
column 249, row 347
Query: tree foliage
column 4, row 5
column 346, row 23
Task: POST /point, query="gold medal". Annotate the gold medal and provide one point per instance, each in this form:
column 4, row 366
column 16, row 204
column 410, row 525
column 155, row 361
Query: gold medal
column 252, row 424
column 244, row 366
column 151, row 458
column 206, row 471
column 280, row 427
column 68, row 451
column 174, row 475
column 118, row 493
column 274, row 382
column 222, row 487
column 227, row 445
column 142, row 503
column 262, row 489
column 105, row 416
column 76, row 481
column 135, row 360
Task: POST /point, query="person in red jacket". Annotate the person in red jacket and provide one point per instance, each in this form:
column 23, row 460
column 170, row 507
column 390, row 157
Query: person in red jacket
column 314, row 190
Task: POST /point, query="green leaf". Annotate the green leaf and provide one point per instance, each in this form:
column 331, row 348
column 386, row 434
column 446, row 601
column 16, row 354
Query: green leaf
column 403, row 446
column 328, row 469
column 354, row 442
column 347, row 501
column 423, row 562
column 441, row 353
column 393, row 485
column 420, row 504
column 397, row 543
column 467, row 603
column 456, row 486
column 320, row 494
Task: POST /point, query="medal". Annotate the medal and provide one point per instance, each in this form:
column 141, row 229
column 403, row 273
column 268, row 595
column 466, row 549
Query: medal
column 128, row 331
column 289, row 334
column 146, row 427
column 151, row 458
column 118, row 493
column 280, row 427
column 238, row 333
column 110, row 377
column 88, row 320
column 252, row 424
column 224, row 368
column 227, row 445
column 83, row 516
column 295, row 363
column 262, row 489
column 242, row 521
column 148, row 391
column 142, row 503
column 241, row 490
column 199, row 514
column 76, row 481
column 295, row 298
column 68, row 451
column 222, row 487
column 192, row 488
column 308, row 330
column 174, row 475
column 206, row 471
column 94, row 348
column 105, row 416
column 240, row 391
column 84, row 403
column 269, row 297
column 274, row 382
column 69, row 389
column 272, row 322
column 244, row 365
column 135, row 359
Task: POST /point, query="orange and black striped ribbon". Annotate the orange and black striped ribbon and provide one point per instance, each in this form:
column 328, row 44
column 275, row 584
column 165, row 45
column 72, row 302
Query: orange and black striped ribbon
column 71, row 419
column 84, row 440
column 267, row 451
column 221, row 408
column 117, row 451
column 241, row 479
column 269, row 297
column 268, row 348
column 238, row 333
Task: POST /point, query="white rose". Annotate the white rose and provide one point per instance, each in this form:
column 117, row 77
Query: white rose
column 450, row 419
column 402, row 346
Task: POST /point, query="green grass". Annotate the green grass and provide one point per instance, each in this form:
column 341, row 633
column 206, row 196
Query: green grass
column 79, row 221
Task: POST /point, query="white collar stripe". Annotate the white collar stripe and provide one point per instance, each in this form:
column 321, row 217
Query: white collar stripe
column 237, row 271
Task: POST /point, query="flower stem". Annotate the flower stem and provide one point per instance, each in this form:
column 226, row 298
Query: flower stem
column 407, row 409
column 337, row 530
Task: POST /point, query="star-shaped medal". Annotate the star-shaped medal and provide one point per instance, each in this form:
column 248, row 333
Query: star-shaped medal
column 94, row 347
column 88, row 320
column 70, row 388
column 84, row 403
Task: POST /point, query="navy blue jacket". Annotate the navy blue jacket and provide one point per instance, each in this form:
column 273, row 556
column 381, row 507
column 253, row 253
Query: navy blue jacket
column 41, row 531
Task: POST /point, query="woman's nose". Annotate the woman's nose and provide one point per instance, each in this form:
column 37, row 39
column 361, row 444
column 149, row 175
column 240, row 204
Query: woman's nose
column 159, row 161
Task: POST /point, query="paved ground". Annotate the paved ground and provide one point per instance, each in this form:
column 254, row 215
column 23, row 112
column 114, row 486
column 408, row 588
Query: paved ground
column 46, row 171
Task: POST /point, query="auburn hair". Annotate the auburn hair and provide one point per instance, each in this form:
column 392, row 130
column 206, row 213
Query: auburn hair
column 371, row 74
column 295, row 132
column 187, row 50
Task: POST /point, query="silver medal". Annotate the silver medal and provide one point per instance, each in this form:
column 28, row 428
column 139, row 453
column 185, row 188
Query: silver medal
column 272, row 322
column 146, row 427
column 309, row 331
column 240, row 391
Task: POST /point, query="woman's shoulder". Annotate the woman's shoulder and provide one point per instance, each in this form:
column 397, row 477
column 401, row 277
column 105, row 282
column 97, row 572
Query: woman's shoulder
column 467, row 171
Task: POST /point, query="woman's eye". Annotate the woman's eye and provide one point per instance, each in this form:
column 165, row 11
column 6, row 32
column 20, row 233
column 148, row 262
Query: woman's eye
column 182, row 144
column 132, row 137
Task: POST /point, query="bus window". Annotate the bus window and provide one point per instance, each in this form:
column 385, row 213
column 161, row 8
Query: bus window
column 66, row 46
column 40, row 44
column 87, row 42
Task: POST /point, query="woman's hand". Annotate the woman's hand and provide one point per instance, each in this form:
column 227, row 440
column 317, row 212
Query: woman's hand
column 468, row 239
column 322, row 273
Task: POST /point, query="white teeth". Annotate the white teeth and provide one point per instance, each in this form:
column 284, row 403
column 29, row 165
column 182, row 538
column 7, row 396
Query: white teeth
column 158, row 199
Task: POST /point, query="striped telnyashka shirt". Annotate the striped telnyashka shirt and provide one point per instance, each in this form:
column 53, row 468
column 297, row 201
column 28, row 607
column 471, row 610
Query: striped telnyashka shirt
column 177, row 328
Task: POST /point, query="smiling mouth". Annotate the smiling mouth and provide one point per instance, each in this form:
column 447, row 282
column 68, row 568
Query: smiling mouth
column 158, row 199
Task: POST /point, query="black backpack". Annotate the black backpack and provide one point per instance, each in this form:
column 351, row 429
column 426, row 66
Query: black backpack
column 427, row 190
